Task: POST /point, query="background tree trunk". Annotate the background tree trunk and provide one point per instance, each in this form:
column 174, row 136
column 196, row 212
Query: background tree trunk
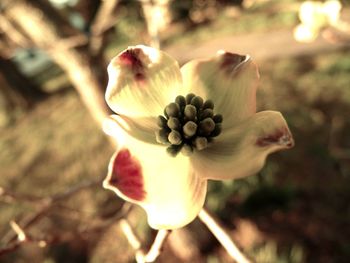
column 67, row 46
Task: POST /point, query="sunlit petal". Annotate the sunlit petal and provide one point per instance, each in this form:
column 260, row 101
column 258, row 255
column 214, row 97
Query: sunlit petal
column 242, row 150
column 230, row 80
column 141, row 128
column 142, row 81
column 169, row 191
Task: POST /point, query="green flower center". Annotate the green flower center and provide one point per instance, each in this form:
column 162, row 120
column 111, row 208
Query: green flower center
column 188, row 124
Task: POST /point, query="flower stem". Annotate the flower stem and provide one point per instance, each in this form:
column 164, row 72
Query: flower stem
column 134, row 241
column 157, row 245
column 223, row 237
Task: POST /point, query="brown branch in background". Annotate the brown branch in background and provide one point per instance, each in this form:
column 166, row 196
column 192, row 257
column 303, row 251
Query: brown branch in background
column 135, row 243
column 149, row 8
column 65, row 44
column 157, row 16
column 18, row 230
column 22, row 237
column 104, row 20
column 46, row 204
column 223, row 237
column 82, row 68
column 10, row 197
column 13, row 33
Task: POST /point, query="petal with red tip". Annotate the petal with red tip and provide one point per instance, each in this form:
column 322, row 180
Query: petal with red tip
column 171, row 193
column 125, row 174
column 142, row 81
column 230, row 80
column 242, row 150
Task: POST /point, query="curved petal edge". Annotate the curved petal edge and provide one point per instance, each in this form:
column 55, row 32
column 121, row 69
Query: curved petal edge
column 230, row 80
column 242, row 150
column 145, row 175
column 142, row 81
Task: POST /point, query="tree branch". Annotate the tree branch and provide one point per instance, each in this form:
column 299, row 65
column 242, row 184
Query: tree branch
column 157, row 245
column 47, row 203
column 223, row 237
column 103, row 21
column 134, row 241
column 23, row 237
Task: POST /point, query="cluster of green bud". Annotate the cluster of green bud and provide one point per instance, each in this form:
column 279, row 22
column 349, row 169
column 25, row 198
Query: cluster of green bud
column 188, row 124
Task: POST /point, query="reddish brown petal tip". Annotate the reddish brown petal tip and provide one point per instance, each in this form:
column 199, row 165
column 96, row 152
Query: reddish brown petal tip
column 132, row 58
column 229, row 61
column 127, row 175
column 280, row 137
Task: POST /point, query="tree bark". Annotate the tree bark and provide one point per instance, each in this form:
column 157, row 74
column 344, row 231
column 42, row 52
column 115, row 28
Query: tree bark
column 67, row 46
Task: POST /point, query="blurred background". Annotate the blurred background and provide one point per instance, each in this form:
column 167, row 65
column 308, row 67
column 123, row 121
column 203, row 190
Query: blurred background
column 53, row 153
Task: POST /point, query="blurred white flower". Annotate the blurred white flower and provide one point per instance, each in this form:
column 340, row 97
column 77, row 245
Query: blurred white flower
column 315, row 16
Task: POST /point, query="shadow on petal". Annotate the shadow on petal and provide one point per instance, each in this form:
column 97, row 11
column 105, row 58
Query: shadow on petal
column 241, row 151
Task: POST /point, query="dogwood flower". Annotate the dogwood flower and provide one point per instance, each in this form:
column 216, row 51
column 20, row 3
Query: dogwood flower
column 178, row 128
column 315, row 16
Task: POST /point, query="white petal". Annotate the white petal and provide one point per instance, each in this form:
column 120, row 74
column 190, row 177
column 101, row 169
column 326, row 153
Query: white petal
column 230, row 80
column 142, row 81
column 142, row 128
column 166, row 187
column 242, row 151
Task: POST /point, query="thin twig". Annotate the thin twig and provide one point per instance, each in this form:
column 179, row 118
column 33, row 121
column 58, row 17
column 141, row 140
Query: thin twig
column 134, row 241
column 157, row 18
column 18, row 230
column 157, row 245
column 105, row 17
column 103, row 21
column 223, row 237
column 10, row 196
column 10, row 248
column 130, row 234
column 47, row 204
column 13, row 33
column 23, row 237
column 149, row 8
